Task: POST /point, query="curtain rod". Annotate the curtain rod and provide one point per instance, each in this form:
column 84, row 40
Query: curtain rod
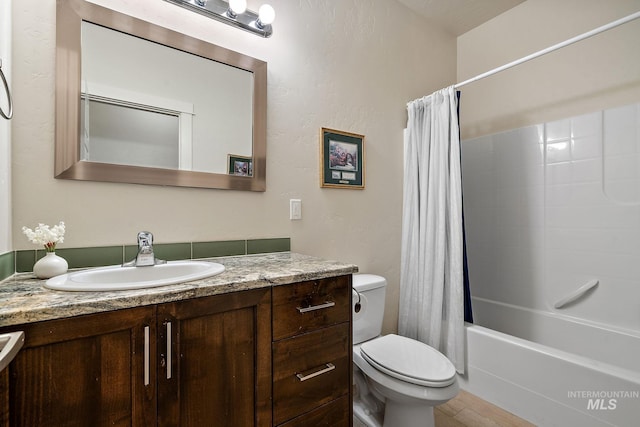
column 552, row 48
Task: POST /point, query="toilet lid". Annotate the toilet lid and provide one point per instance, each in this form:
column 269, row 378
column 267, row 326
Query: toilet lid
column 409, row 360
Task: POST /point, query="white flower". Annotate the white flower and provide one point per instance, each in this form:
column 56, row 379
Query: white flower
column 46, row 236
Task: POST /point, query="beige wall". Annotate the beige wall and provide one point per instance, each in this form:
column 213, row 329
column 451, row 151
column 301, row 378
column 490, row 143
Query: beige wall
column 351, row 66
column 345, row 65
column 594, row 74
column 5, row 130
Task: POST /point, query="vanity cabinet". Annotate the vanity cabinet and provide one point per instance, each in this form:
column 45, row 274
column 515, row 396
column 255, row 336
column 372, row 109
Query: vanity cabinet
column 83, row 371
column 197, row 362
column 215, row 361
column 279, row 355
column 312, row 353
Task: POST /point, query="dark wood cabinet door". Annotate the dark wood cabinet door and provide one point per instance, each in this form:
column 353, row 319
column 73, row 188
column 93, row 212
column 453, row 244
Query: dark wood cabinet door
column 85, row 371
column 215, row 361
column 4, row 398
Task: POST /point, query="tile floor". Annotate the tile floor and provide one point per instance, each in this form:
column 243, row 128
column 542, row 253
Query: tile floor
column 467, row 410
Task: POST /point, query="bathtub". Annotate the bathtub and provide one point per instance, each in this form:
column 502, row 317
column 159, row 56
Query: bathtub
column 552, row 369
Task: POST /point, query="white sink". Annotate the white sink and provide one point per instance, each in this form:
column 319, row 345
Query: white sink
column 118, row 278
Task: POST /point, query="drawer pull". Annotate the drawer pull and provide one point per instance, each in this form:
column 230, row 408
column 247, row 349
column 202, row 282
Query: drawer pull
column 316, row 307
column 328, row 368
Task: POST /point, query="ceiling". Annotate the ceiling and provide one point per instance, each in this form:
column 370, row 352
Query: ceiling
column 460, row 16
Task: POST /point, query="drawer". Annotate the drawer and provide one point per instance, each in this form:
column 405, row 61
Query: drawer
column 310, row 370
column 334, row 414
column 306, row 306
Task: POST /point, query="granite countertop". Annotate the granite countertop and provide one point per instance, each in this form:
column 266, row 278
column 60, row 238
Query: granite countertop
column 24, row 299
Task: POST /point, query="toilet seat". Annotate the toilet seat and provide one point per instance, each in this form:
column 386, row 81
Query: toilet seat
column 409, row 360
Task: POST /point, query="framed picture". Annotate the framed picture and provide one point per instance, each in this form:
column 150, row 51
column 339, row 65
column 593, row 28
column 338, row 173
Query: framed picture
column 240, row 165
column 341, row 159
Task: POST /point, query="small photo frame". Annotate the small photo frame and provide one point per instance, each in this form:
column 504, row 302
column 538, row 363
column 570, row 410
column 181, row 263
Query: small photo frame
column 240, row 165
column 341, row 159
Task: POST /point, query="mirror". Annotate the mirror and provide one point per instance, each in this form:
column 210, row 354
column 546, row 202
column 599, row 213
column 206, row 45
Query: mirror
column 168, row 109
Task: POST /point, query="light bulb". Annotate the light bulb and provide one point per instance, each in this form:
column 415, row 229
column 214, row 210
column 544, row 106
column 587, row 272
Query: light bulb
column 238, row 6
column 266, row 14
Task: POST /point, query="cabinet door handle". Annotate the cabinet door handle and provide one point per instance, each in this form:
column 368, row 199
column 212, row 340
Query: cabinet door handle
column 168, row 350
column 146, row 355
column 316, row 307
column 328, row 368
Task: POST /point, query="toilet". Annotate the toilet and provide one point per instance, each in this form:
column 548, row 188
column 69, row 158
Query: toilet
column 397, row 380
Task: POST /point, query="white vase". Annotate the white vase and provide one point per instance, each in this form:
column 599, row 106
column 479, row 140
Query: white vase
column 49, row 266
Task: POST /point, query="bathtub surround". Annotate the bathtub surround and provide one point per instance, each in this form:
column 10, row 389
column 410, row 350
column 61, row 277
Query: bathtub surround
column 550, row 208
column 554, row 206
column 432, row 275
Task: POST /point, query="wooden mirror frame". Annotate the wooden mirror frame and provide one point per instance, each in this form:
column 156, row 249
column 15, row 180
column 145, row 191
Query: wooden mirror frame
column 69, row 17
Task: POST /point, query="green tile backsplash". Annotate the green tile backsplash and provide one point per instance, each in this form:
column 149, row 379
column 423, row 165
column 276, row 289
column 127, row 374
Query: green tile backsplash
column 215, row 249
column 261, row 246
column 25, row 261
column 90, row 257
column 112, row 255
column 7, row 265
column 165, row 251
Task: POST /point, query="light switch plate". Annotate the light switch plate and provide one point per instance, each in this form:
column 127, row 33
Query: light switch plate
column 295, row 209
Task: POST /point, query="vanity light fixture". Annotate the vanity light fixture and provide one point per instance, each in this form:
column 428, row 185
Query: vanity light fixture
column 234, row 13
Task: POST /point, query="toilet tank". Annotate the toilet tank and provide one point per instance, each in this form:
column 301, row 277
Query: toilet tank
column 367, row 321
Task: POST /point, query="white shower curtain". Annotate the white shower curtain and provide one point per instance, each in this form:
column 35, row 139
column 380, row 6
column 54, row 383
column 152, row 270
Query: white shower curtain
column 431, row 282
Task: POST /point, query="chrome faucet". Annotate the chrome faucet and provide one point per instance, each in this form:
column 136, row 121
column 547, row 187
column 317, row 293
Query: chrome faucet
column 145, row 256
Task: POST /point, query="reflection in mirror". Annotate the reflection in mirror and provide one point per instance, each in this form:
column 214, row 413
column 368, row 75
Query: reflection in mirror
column 167, row 109
column 211, row 103
column 141, row 138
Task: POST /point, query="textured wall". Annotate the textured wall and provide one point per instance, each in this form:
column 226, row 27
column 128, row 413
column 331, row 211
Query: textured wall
column 5, row 131
column 348, row 65
column 591, row 75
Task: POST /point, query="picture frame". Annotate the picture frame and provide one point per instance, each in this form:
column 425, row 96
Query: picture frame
column 240, row 165
column 342, row 161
